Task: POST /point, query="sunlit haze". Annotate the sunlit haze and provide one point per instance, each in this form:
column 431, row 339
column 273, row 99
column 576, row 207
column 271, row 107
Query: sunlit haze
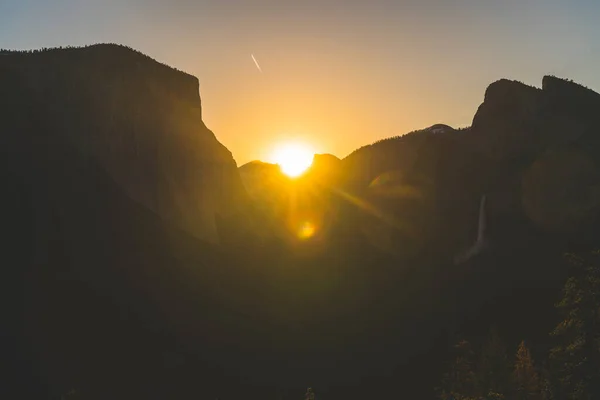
column 338, row 74
column 292, row 158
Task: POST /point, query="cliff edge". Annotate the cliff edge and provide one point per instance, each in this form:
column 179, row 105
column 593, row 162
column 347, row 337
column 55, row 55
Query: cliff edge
column 139, row 119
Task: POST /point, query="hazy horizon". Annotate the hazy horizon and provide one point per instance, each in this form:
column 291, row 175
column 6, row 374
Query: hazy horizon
column 337, row 75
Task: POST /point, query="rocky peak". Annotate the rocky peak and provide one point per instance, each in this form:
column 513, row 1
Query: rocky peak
column 505, row 117
column 507, row 99
column 516, row 119
column 440, row 128
column 140, row 120
column 325, row 160
column 552, row 84
column 568, row 96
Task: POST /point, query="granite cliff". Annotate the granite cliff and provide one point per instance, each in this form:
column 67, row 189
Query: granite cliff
column 140, row 120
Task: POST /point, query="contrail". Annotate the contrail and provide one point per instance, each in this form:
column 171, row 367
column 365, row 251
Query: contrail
column 256, row 62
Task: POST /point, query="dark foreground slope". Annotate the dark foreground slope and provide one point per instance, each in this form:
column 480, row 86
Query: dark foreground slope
column 112, row 180
column 109, row 177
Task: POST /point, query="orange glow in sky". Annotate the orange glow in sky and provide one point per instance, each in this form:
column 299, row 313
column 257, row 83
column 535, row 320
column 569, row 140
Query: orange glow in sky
column 293, row 158
column 342, row 73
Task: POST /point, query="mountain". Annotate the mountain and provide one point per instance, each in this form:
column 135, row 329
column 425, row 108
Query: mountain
column 112, row 285
column 532, row 152
column 140, row 120
column 141, row 263
column 534, row 157
column 529, row 164
column 518, row 132
column 257, row 176
column 534, row 132
column 324, row 163
column 290, row 203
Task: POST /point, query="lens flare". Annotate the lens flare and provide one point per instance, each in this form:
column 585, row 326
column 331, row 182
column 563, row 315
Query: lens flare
column 306, row 231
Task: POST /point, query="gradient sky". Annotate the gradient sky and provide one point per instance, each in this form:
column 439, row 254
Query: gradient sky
column 337, row 74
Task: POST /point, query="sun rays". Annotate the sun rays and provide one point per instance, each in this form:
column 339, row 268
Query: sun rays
column 293, row 158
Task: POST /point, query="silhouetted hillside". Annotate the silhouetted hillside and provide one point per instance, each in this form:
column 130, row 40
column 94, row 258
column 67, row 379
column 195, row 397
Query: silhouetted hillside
column 109, row 175
column 535, row 157
column 351, row 279
column 516, row 130
column 532, row 153
column 139, row 119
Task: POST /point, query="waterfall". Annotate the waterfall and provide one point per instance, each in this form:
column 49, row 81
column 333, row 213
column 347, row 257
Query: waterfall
column 481, row 241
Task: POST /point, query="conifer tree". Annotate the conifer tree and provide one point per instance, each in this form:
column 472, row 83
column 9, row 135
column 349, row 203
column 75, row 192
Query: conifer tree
column 576, row 359
column 459, row 383
column 493, row 371
column 310, row 395
column 526, row 378
column 546, row 383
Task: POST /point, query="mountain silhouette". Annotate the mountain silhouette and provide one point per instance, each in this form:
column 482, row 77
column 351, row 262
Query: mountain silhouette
column 142, row 263
column 418, row 199
column 517, row 132
column 140, row 120
column 113, row 183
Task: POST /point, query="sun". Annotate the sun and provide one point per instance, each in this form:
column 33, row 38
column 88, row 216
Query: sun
column 293, row 158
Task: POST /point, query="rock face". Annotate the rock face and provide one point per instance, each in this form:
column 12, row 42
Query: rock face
column 570, row 96
column 104, row 158
column 544, row 147
column 516, row 119
column 504, row 118
column 139, row 119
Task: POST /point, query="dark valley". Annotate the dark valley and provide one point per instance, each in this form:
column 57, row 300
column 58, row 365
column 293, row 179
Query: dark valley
column 141, row 262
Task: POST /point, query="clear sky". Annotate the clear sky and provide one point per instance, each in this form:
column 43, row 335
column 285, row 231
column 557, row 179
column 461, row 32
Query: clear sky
column 336, row 74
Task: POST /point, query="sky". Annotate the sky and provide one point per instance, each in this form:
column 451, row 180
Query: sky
column 336, row 74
